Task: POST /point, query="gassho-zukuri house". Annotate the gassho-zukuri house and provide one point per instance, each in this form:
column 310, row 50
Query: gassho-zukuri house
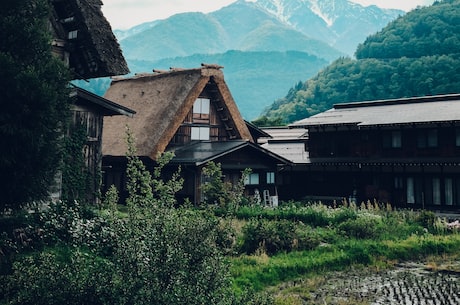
column 190, row 112
column 83, row 39
column 402, row 151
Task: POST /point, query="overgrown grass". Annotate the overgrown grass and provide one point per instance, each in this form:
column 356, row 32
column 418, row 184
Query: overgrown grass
column 261, row 271
column 339, row 237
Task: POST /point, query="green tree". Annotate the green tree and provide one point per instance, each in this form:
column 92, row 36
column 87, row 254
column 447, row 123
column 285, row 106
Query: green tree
column 152, row 254
column 34, row 103
column 415, row 55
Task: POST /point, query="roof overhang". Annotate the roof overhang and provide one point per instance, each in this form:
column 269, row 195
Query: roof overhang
column 103, row 105
column 200, row 153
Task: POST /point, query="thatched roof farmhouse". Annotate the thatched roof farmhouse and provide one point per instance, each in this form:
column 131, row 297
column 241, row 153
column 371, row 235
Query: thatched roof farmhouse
column 162, row 102
column 190, row 112
column 84, row 39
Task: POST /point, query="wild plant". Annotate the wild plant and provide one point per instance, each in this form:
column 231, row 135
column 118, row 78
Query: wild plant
column 220, row 193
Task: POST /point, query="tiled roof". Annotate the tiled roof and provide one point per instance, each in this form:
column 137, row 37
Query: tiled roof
column 419, row 110
column 205, row 151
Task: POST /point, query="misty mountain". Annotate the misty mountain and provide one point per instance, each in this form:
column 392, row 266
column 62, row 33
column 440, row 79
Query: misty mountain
column 325, row 28
column 293, row 39
column 253, row 77
column 414, row 55
column 340, row 23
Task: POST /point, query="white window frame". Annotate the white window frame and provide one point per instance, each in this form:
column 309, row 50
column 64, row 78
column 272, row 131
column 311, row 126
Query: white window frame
column 201, row 105
column 200, row 133
column 270, row 177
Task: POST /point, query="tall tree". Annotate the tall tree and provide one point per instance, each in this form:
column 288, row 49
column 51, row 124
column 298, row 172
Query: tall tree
column 33, row 101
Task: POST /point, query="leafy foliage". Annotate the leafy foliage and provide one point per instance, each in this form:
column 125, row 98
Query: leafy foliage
column 415, row 55
column 153, row 254
column 34, row 103
column 222, row 193
column 76, row 177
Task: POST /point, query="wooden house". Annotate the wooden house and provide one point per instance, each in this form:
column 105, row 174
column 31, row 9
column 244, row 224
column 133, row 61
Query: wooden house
column 190, row 112
column 89, row 110
column 84, row 40
column 402, row 151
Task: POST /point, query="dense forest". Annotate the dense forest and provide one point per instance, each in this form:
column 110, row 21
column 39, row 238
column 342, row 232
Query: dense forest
column 415, row 55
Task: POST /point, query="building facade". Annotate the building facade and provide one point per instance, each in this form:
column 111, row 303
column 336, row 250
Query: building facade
column 191, row 113
column 404, row 151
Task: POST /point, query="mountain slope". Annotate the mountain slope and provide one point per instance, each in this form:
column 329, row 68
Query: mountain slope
column 340, row 23
column 231, row 28
column 179, row 35
column 253, row 77
column 270, row 28
column 413, row 62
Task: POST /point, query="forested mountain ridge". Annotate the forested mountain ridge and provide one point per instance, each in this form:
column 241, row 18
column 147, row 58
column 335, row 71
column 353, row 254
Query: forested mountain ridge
column 331, row 27
column 294, row 39
column 415, row 55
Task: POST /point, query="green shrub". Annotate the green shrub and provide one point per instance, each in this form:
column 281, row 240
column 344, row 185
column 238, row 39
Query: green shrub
column 159, row 254
column 60, row 276
column 344, row 214
column 361, row 227
column 426, row 219
column 268, row 236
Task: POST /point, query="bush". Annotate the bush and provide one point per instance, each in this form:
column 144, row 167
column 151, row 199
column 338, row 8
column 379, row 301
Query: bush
column 60, row 276
column 362, row 227
column 158, row 254
column 268, row 236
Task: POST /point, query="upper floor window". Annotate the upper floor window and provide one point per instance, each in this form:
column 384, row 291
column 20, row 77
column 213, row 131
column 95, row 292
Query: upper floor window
column 427, row 138
column 252, row 179
column 270, row 177
column 200, row 133
column 201, row 109
column 392, row 139
column 72, row 34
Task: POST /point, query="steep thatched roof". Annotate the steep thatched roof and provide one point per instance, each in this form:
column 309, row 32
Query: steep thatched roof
column 161, row 102
column 81, row 28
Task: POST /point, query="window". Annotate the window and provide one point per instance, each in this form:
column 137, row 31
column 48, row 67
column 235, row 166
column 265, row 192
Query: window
column 398, row 182
column 270, row 178
column 436, row 191
column 200, row 133
column 392, row 140
column 252, row 179
column 72, row 34
column 396, row 139
column 449, row 191
column 410, row 193
column 427, row 138
column 201, row 109
column 432, row 138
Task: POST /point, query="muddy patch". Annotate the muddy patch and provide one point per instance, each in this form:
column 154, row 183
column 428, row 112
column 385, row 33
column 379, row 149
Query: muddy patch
column 406, row 284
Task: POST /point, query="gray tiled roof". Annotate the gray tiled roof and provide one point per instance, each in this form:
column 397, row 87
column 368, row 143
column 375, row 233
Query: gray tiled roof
column 441, row 108
column 202, row 152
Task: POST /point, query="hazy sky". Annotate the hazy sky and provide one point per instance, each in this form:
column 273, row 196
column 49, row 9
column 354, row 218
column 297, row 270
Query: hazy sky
column 123, row 14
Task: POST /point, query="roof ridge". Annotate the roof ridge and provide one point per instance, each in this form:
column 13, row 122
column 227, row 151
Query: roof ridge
column 171, row 72
column 398, row 101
